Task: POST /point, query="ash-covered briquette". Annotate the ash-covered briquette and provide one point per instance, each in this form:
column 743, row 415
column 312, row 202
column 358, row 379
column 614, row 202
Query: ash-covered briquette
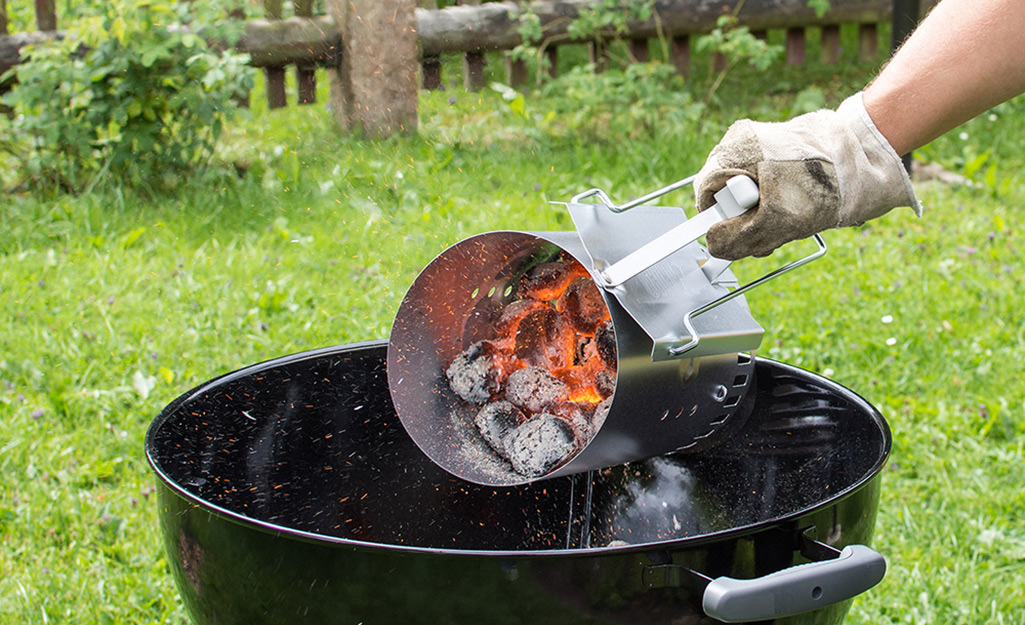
column 577, row 415
column 583, row 305
column 539, row 445
column 533, row 389
column 605, row 382
column 496, row 421
column 473, row 375
column 600, row 412
column 605, row 342
column 547, row 281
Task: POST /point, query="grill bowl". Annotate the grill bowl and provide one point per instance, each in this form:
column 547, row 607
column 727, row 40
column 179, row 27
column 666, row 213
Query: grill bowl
column 289, row 492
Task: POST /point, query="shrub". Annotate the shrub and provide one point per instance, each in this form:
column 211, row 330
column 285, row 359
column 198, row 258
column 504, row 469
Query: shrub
column 136, row 95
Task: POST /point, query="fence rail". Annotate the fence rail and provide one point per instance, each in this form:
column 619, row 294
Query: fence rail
column 472, row 29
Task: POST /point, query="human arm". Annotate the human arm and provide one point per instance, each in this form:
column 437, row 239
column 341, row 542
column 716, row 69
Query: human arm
column 963, row 59
column 841, row 168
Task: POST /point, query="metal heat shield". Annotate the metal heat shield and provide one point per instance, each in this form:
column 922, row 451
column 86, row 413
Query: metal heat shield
column 660, row 297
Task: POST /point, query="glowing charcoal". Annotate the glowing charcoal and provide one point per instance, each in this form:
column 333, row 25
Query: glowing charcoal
column 544, row 339
column 583, row 306
column 541, row 378
column 605, row 342
column 547, row 281
column 512, row 315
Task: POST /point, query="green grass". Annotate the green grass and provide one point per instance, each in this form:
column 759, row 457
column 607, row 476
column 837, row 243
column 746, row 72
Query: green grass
column 112, row 305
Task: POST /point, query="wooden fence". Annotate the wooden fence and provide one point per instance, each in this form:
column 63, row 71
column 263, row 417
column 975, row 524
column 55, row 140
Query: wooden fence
column 306, row 41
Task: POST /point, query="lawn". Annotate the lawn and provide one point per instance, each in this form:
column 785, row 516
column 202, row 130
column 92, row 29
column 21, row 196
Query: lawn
column 113, row 304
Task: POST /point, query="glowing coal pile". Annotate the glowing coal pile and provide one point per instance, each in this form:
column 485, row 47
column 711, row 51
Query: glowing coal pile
column 542, row 382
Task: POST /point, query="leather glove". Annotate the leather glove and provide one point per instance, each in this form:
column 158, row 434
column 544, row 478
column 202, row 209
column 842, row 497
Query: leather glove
column 821, row 170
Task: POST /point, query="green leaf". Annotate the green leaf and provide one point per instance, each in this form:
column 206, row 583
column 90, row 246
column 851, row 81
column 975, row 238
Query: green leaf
column 974, row 165
column 131, row 237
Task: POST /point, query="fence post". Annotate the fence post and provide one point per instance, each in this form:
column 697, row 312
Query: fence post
column 275, row 76
column 552, row 54
column 639, row 50
column 679, row 49
column 598, row 53
column 904, row 20
column 305, row 76
column 868, row 41
column 831, row 44
column 430, row 64
column 473, row 62
column 46, row 15
column 796, row 46
column 374, row 88
column 515, row 71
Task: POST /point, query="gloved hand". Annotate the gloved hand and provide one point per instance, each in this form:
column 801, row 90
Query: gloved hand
column 821, row 170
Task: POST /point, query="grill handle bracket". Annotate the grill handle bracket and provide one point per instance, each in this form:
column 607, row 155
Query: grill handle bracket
column 839, row 575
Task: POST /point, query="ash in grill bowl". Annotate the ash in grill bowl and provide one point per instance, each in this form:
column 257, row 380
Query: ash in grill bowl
column 541, row 384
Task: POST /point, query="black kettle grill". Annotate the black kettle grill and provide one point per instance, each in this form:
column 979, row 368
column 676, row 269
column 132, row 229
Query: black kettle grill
column 290, row 493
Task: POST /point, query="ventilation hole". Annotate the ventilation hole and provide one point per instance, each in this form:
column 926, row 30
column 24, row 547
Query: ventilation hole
column 722, row 419
column 740, row 380
column 816, row 593
column 720, row 393
column 694, row 410
column 679, row 413
column 732, row 401
column 491, row 292
column 664, row 415
column 475, row 293
column 687, row 446
column 744, row 358
column 706, row 434
column 507, row 291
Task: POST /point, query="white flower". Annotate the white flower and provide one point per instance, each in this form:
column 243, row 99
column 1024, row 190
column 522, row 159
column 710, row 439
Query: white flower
column 887, row 319
column 891, row 341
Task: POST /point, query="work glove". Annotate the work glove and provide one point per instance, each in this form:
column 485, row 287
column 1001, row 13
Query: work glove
column 821, row 170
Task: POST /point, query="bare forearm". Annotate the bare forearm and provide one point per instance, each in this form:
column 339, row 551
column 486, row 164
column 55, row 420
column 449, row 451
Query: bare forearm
column 966, row 57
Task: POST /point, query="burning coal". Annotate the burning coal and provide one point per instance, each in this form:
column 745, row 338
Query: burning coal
column 542, row 381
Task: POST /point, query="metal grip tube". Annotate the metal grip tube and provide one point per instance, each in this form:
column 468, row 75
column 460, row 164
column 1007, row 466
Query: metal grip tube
column 739, row 194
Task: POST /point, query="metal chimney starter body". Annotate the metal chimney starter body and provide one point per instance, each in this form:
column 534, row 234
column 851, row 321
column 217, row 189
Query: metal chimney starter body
column 682, row 334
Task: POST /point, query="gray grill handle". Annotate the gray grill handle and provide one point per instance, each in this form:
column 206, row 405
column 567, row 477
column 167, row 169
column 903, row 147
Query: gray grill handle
column 798, row 589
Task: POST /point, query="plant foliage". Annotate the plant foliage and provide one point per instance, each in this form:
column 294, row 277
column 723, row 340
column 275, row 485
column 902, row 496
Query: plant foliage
column 136, row 95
